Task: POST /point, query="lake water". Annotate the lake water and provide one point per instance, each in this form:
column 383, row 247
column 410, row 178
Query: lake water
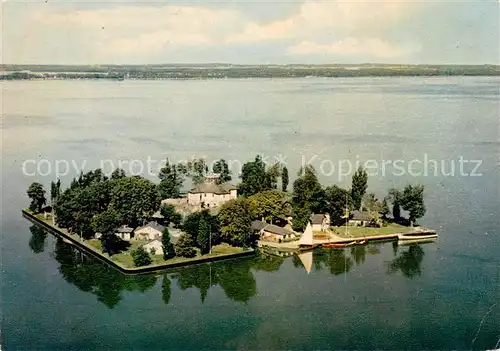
column 443, row 295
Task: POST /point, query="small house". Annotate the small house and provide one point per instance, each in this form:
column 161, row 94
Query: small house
column 154, row 247
column 360, row 218
column 257, row 226
column 275, row 233
column 320, row 222
column 124, row 232
column 150, row 231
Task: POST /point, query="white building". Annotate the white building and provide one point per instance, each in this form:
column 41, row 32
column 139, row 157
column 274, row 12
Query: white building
column 211, row 193
column 154, row 246
column 320, row 222
column 150, row 231
column 124, row 232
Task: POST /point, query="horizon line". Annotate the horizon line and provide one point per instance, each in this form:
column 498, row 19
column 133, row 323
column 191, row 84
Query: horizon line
column 249, row 64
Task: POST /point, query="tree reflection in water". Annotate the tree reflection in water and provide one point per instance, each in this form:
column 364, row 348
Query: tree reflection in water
column 235, row 279
column 358, row 253
column 90, row 275
column 408, row 262
column 38, row 237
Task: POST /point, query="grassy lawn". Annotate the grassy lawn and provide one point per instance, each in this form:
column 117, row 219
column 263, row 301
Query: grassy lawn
column 95, row 243
column 354, row 232
column 125, row 258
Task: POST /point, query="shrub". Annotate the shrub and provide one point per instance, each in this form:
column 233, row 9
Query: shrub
column 141, row 257
column 184, row 246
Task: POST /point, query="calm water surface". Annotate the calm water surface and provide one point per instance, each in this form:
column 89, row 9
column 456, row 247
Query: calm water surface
column 434, row 296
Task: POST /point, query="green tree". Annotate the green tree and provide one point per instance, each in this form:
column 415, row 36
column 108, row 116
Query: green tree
column 203, row 238
column 106, row 222
column 337, row 200
column 221, row 167
column 55, row 191
column 169, row 214
column 395, row 196
column 141, row 257
column 307, row 191
column 271, row 176
column 359, row 186
column 135, row 199
column 413, row 201
column 236, row 222
column 185, row 246
column 269, row 204
column 384, row 208
column 168, row 247
column 171, row 180
column 284, row 179
column 301, row 217
column 118, row 174
column 370, row 202
column 253, row 177
column 37, row 195
column 197, row 169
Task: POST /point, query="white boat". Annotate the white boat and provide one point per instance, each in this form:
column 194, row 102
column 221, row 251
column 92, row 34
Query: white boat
column 417, row 236
column 416, row 241
column 306, row 240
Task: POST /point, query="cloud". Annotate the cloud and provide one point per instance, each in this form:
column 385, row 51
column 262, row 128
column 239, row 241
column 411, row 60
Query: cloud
column 372, row 47
column 128, row 32
column 332, row 18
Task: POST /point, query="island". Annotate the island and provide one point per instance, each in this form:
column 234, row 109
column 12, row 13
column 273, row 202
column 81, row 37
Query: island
column 233, row 71
column 137, row 225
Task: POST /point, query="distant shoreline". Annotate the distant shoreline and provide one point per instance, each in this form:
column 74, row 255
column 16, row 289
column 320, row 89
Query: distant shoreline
column 202, row 72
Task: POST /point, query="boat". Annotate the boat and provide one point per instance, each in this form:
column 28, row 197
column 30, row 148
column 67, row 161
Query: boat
column 306, row 241
column 338, row 245
column 417, row 236
column 361, row 242
column 416, row 241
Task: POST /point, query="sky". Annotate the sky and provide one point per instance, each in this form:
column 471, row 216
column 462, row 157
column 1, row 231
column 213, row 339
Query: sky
column 250, row 32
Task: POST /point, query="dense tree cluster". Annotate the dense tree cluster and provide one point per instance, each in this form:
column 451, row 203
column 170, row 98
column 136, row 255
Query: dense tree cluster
column 36, row 193
column 235, row 222
column 94, row 203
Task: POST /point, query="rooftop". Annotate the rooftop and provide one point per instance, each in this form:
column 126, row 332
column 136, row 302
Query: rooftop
column 153, row 225
column 317, row 218
column 258, row 225
column 361, row 216
column 124, row 229
column 271, row 228
column 213, row 188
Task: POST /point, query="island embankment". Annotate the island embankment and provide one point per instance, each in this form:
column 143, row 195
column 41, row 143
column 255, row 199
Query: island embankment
column 82, row 245
column 358, row 234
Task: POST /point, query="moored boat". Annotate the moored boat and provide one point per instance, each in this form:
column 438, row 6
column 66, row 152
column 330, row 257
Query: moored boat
column 417, row 236
column 338, row 245
column 417, row 241
column 306, row 241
